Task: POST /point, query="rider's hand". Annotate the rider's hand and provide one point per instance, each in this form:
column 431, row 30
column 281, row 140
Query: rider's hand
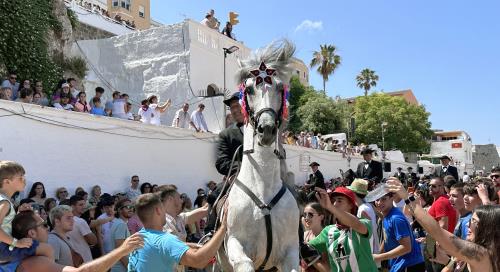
column 224, row 218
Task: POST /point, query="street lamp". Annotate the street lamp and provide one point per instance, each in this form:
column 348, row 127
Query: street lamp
column 228, row 51
column 383, row 125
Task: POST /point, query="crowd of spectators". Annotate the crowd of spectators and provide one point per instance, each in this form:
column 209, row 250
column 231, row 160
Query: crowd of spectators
column 68, row 97
column 429, row 224
column 87, row 225
column 318, row 141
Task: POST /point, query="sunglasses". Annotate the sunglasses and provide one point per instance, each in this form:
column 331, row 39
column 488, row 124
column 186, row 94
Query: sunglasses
column 494, row 176
column 308, row 215
column 130, row 207
column 13, row 77
column 435, row 186
column 63, row 192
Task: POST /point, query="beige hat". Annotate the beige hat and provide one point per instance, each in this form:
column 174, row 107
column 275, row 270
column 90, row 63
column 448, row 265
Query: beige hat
column 359, row 186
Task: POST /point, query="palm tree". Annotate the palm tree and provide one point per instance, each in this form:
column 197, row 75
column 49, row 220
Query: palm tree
column 327, row 61
column 366, row 80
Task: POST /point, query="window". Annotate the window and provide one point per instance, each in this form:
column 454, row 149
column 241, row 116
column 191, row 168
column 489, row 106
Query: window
column 115, row 3
column 125, row 4
column 141, row 11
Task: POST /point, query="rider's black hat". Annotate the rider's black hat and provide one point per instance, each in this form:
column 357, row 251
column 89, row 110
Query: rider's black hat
column 366, row 150
column 314, row 164
column 234, row 96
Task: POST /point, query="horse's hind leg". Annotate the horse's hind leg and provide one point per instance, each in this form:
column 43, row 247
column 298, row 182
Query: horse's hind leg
column 291, row 260
column 237, row 257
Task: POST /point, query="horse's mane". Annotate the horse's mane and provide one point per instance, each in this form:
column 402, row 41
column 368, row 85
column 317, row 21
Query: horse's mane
column 276, row 55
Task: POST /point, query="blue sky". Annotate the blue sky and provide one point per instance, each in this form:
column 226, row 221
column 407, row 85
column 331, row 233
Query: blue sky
column 447, row 52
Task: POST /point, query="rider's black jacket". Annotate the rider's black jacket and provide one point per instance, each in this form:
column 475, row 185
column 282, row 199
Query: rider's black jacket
column 229, row 140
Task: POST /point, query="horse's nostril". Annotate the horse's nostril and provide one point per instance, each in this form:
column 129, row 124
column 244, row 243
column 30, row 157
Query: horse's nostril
column 274, row 130
column 260, row 129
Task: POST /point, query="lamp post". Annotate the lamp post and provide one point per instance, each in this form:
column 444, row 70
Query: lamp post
column 228, row 51
column 383, row 125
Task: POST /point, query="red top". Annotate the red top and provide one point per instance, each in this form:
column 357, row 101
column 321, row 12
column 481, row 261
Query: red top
column 441, row 208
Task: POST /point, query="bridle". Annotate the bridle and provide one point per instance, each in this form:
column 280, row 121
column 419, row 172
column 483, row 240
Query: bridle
column 251, row 117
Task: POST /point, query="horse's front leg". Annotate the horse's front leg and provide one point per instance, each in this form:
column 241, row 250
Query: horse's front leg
column 291, row 260
column 237, row 257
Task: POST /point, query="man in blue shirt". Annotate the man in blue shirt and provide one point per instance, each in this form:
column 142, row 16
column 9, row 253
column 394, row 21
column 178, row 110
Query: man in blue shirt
column 162, row 251
column 457, row 202
column 399, row 247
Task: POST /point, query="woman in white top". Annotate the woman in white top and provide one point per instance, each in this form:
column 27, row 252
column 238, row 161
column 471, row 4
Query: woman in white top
column 157, row 109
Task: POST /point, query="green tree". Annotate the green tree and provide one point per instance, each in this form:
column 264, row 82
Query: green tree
column 23, row 39
column 407, row 126
column 317, row 113
column 297, row 90
column 366, row 80
column 327, row 61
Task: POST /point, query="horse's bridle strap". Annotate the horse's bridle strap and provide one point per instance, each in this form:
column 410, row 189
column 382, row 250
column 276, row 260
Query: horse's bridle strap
column 267, row 215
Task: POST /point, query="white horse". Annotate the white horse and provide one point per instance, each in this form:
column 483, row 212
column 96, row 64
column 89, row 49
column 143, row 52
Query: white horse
column 248, row 243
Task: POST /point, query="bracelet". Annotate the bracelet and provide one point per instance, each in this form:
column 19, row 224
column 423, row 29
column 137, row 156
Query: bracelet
column 13, row 245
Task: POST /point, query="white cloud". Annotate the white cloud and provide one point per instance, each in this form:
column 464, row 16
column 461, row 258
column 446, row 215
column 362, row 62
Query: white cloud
column 309, row 25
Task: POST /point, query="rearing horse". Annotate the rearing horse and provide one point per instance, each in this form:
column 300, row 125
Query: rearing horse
column 263, row 216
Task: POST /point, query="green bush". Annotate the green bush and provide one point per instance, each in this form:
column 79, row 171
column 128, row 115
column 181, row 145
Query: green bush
column 77, row 65
column 23, row 46
column 73, row 19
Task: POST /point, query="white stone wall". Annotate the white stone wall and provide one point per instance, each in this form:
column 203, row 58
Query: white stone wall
column 173, row 62
column 73, row 149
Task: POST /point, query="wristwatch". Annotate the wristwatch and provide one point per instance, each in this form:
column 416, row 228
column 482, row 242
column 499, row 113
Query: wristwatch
column 409, row 199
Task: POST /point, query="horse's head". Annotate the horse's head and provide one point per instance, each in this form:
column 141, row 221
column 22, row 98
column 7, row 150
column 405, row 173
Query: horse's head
column 263, row 91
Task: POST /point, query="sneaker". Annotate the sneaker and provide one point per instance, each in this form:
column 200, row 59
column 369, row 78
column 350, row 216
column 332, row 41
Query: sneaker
column 309, row 254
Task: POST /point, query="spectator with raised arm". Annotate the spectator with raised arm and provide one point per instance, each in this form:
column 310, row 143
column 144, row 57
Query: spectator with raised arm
column 28, row 225
column 480, row 251
column 157, row 109
column 348, row 241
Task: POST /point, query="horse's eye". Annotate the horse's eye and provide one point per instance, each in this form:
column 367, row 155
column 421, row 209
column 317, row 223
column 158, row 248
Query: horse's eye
column 249, row 90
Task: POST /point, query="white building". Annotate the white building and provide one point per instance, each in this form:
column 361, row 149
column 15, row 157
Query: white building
column 175, row 62
column 456, row 144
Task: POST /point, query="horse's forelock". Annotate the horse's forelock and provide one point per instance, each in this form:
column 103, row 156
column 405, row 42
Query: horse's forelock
column 277, row 55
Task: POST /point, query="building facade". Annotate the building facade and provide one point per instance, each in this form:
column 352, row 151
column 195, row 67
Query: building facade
column 301, row 70
column 135, row 11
